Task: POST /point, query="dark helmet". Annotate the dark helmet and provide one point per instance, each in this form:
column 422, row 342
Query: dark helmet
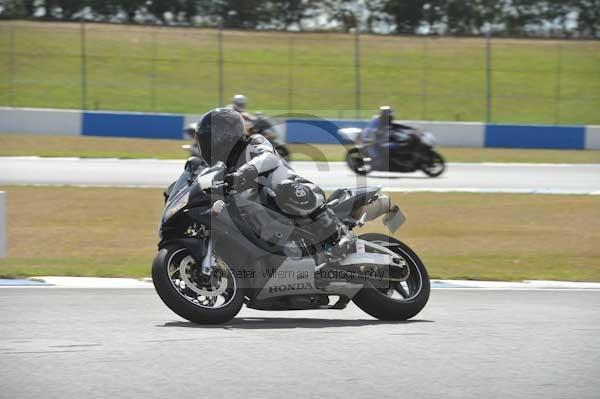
column 386, row 117
column 386, row 113
column 218, row 132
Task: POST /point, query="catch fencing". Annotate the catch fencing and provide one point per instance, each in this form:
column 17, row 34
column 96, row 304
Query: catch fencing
column 93, row 66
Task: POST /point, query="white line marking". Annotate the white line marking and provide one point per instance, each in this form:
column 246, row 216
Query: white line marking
column 539, row 285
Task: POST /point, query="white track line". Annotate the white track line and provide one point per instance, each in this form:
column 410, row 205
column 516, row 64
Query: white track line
column 126, row 283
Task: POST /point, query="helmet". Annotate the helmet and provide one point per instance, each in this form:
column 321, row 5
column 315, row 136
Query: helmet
column 239, row 102
column 218, row 132
column 386, row 117
column 386, row 113
column 190, row 130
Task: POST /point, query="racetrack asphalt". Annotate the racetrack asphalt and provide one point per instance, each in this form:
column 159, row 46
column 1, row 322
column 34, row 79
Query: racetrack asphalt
column 99, row 343
column 466, row 177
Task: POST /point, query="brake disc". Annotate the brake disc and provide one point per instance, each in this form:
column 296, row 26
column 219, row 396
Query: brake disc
column 185, row 271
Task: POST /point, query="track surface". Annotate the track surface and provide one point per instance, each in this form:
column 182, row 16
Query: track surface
column 72, row 343
column 544, row 178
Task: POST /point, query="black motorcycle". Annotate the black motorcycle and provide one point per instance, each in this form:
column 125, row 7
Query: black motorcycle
column 219, row 250
column 407, row 149
column 263, row 126
column 260, row 125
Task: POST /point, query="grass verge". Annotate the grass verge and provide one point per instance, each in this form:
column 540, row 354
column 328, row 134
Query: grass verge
column 112, row 232
column 102, row 147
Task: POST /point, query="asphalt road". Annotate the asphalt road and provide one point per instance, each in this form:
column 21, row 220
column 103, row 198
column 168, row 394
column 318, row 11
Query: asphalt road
column 94, row 343
column 544, row 178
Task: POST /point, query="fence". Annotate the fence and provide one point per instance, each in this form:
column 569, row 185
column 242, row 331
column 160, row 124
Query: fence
column 183, row 70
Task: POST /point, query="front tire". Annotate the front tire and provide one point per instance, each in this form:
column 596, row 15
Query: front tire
column 434, row 165
column 186, row 302
column 356, row 162
column 411, row 297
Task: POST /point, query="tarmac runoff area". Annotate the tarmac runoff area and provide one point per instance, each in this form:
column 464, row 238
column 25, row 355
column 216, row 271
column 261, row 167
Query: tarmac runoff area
column 459, row 177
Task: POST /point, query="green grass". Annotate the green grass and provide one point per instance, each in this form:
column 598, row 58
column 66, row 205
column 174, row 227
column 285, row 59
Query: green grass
column 540, row 81
column 106, row 232
column 102, row 147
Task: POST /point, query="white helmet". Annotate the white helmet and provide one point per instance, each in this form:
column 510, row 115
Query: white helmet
column 239, row 102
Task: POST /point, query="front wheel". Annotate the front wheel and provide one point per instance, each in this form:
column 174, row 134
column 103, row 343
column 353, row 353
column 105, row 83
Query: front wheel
column 395, row 300
column 434, row 165
column 356, row 162
column 200, row 299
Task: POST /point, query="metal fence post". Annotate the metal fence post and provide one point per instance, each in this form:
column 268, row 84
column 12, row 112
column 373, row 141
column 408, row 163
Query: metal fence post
column 488, row 77
column 557, row 89
column 357, row 73
column 424, row 73
column 290, row 74
column 220, row 63
column 83, row 66
column 153, row 70
column 11, row 66
column 2, row 224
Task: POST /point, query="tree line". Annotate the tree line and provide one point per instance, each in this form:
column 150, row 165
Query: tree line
column 558, row 18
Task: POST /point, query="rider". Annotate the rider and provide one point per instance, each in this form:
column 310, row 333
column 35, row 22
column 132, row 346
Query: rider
column 379, row 132
column 221, row 138
column 239, row 103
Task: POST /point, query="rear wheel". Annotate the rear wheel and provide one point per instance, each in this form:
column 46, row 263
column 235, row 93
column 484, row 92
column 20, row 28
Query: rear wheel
column 212, row 299
column 395, row 300
column 356, row 162
column 434, row 165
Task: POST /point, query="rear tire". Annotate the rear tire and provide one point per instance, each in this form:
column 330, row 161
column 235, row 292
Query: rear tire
column 182, row 306
column 383, row 307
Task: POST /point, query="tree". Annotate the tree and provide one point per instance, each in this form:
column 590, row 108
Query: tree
column 343, row 12
column 158, row 8
column 286, row 14
column 188, row 9
column 588, row 17
column 410, row 15
column 468, row 18
column 131, row 8
column 237, row 13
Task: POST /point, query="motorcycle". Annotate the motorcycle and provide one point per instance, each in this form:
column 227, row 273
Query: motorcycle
column 408, row 149
column 220, row 249
column 263, row 126
column 260, row 125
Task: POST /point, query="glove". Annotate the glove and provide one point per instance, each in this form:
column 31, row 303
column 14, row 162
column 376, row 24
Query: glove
column 243, row 178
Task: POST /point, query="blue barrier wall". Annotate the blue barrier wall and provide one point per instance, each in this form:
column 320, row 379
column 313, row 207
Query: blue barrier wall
column 297, row 130
column 535, row 136
column 318, row 131
column 154, row 126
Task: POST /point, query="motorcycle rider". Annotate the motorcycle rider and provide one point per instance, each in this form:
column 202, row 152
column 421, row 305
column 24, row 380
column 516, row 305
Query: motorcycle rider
column 239, row 103
column 251, row 160
column 379, row 132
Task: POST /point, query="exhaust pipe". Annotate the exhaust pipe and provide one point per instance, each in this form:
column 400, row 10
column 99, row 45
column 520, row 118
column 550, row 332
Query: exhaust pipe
column 381, row 205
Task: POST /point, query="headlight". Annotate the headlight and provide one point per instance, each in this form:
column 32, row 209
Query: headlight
column 176, row 206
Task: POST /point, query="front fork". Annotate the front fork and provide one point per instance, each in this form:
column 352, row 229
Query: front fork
column 208, row 260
